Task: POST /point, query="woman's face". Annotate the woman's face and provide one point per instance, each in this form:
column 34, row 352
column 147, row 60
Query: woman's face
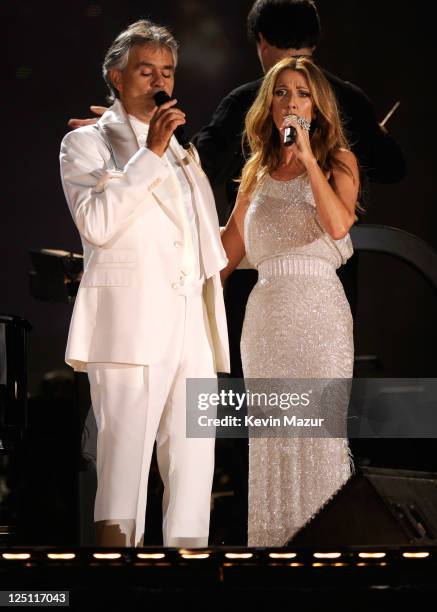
column 291, row 95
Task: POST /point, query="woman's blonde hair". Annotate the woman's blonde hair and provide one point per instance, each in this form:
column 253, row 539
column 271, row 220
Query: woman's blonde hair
column 262, row 136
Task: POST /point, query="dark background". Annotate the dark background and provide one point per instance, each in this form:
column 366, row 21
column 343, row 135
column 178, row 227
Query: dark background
column 53, row 72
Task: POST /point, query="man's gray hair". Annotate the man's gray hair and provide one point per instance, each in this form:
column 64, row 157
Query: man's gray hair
column 142, row 32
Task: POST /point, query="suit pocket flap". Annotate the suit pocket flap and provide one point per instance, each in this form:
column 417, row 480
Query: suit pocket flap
column 104, row 256
column 107, row 277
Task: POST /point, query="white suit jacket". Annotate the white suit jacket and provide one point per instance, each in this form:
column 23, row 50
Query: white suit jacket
column 120, row 198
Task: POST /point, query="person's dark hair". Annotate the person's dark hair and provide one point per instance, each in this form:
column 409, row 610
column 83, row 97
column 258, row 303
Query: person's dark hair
column 285, row 24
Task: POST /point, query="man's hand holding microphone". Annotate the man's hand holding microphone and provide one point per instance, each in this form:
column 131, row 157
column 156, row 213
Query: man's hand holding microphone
column 166, row 120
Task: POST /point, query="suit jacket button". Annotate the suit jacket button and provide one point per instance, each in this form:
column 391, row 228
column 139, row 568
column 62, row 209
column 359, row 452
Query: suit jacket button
column 176, row 285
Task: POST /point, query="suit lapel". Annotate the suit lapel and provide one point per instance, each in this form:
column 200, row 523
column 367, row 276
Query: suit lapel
column 118, row 131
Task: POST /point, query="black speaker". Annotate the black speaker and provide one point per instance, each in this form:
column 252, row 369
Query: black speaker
column 13, row 381
column 377, row 506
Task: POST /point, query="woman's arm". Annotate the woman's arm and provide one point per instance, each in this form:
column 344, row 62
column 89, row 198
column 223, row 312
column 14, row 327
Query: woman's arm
column 233, row 235
column 336, row 198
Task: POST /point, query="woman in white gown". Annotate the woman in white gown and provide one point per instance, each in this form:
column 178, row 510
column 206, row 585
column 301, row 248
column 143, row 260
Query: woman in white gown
column 292, row 216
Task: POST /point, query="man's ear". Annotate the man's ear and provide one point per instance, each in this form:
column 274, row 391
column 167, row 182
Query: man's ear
column 261, row 42
column 116, row 80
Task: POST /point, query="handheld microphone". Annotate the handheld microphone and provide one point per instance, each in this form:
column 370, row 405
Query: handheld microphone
column 160, row 98
column 290, row 131
column 289, row 136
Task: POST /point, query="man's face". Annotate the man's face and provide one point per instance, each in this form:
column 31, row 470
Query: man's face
column 149, row 69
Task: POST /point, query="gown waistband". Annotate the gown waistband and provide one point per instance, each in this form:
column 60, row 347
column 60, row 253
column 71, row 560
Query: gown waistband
column 296, row 265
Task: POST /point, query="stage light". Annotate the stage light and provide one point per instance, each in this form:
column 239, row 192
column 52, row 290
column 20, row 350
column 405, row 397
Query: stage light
column 376, row 555
column 318, row 564
column 64, row 556
column 333, row 555
column 16, row 556
column 195, row 556
column 151, row 556
column 282, row 555
column 239, row 555
column 107, row 556
column 415, row 555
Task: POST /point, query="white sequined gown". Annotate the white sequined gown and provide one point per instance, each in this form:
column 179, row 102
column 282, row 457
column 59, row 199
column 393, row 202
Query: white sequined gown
column 298, row 324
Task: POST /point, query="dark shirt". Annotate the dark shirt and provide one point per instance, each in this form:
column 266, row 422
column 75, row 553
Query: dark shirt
column 219, row 143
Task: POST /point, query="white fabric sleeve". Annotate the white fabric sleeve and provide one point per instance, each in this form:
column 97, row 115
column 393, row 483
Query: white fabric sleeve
column 102, row 201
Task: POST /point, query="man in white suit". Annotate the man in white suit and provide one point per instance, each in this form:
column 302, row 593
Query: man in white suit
column 149, row 312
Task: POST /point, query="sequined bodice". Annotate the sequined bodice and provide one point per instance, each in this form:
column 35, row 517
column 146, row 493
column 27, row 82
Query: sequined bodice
column 282, row 221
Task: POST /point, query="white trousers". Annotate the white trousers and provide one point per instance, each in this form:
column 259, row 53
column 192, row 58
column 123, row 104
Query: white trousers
column 136, row 405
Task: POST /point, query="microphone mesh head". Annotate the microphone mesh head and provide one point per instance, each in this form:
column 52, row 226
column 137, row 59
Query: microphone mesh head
column 160, row 97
